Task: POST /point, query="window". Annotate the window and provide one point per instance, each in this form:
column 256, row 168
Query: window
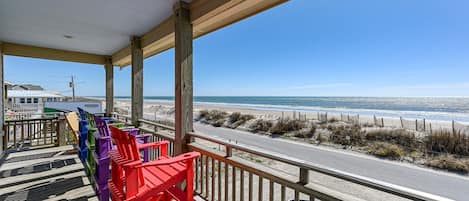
column 9, row 99
column 28, row 100
column 49, row 99
column 22, row 100
column 35, row 100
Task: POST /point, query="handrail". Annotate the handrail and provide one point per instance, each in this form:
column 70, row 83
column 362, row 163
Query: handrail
column 32, row 119
column 302, row 164
column 157, row 124
column 372, row 183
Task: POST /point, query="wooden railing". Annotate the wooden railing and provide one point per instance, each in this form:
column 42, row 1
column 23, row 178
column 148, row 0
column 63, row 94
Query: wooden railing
column 30, row 132
column 224, row 173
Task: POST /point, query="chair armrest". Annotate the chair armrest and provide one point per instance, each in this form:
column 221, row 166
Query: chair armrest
column 177, row 159
column 144, row 135
column 133, row 164
column 153, row 144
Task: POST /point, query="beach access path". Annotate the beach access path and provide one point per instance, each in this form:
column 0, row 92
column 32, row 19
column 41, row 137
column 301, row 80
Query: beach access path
column 439, row 183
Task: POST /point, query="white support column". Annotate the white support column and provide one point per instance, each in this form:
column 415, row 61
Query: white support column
column 2, row 88
column 109, row 68
column 137, row 80
column 183, row 85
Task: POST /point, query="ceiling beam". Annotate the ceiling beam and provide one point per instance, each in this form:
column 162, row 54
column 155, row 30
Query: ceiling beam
column 52, row 54
column 206, row 17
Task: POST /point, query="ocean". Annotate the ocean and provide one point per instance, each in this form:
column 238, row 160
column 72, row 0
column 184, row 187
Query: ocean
column 431, row 108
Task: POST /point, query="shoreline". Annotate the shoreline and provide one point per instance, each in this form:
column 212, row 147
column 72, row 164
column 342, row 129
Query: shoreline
column 162, row 109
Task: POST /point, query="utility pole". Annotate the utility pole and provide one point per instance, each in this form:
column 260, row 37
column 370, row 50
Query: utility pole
column 72, row 85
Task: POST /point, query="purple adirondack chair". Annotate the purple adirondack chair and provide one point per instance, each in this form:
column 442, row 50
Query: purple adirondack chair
column 103, row 146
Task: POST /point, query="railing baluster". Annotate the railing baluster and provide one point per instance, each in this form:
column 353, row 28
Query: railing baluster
column 233, row 183
column 226, row 181
column 213, row 180
column 250, row 187
column 202, row 174
column 22, row 135
column 206, row 176
column 261, row 189
column 271, row 190
column 311, row 198
column 297, row 195
column 14, row 134
column 241, row 183
column 282, row 192
column 219, row 180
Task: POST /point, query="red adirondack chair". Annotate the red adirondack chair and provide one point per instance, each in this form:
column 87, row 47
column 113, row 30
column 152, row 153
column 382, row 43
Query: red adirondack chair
column 155, row 180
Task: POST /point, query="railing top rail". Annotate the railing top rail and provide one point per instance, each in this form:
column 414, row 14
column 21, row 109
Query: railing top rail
column 157, row 124
column 365, row 181
column 31, row 119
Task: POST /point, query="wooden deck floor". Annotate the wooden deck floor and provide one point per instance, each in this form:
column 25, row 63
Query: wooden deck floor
column 44, row 173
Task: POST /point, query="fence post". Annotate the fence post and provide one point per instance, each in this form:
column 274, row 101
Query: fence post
column 61, row 134
column 424, row 124
column 416, row 125
column 374, row 120
column 402, row 122
column 453, row 128
column 382, row 121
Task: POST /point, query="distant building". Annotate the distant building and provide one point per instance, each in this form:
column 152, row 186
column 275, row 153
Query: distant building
column 30, row 87
column 29, row 98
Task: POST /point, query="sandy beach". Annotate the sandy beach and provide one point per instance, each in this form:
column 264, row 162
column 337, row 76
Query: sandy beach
column 164, row 110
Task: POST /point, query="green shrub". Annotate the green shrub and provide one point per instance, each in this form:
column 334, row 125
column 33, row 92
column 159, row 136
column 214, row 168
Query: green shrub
column 393, row 136
column 260, row 125
column 347, row 135
column 286, row 126
column 236, row 119
column 306, row 134
column 449, row 163
column 203, row 114
column 445, row 141
column 385, row 150
column 218, row 123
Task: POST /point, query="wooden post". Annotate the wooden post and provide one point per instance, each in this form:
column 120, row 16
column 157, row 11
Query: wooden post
column 183, row 73
column 453, row 128
column 402, row 122
column 424, row 124
column 109, row 68
column 2, row 88
column 416, row 125
column 137, row 80
column 304, row 176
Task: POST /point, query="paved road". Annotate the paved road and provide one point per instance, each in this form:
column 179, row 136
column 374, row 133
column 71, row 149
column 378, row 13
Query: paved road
column 439, row 183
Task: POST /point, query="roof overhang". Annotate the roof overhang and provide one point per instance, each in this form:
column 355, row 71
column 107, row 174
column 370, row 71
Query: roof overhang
column 89, row 31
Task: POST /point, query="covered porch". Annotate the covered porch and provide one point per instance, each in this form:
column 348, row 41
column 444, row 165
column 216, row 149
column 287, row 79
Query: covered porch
column 91, row 32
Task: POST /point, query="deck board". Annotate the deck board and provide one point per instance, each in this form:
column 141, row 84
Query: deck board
column 45, row 173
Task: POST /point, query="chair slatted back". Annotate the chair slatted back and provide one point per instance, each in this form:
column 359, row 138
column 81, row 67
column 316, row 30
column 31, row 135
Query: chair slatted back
column 90, row 118
column 82, row 114
column 102, row 126
column 127, row 147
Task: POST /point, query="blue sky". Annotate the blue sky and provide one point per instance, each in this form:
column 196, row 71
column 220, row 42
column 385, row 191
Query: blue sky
column 303, row 48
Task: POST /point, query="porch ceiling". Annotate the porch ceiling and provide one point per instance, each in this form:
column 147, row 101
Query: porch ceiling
column 97, row 27
column 104, row 27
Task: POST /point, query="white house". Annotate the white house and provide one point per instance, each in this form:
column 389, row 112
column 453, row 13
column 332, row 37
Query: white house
column 31, row 100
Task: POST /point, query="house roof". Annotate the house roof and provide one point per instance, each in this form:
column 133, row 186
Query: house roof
column 33, row 94
column 91, row 31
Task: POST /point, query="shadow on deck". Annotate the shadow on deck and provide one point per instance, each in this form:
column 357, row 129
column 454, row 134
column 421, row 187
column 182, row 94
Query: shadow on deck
column 46, row 173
